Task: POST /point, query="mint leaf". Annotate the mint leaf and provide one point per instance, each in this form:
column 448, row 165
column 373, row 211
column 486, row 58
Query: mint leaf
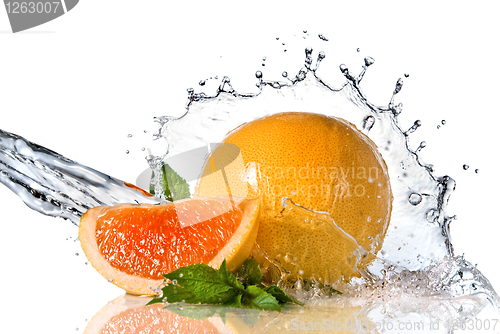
column 229, row 278
column 201, row 284
column 255, row 297
column 281, row 296
column 176, row 187
column 235, row 301
column 198, row 283
column 155, row 300
column 250, row 273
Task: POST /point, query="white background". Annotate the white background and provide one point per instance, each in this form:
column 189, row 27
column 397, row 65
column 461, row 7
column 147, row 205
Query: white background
column 80, row 84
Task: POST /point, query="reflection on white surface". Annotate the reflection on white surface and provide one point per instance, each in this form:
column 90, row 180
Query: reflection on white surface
column 128, row 314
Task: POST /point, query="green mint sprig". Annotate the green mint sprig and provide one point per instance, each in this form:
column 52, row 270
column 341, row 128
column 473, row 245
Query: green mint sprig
column 202, row 284
column 175, row 187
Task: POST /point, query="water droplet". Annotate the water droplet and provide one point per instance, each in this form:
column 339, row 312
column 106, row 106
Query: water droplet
column 264, row 58
column 443, row 122
column 284, row 74
column 399, row 85
column 415, row 198
column 368, row 122
column 202, row 83
column 77, row 254
column 181, row 274
column 345, row 71
column 110, row 280
column 343, row 68
column 226, row 86
column 301, row 75
column 322, row 37
column 466, row 167
column 258, row 74
column 308, row 59
column 145, row 131
column 358, row 49
column 129, row 135
column 369, row 61
column 414, row 127
column 143, row 149
column 421, row 146
column 174, row 282
column 397, row 109
column 305, row 31
column 127, row 151
column 432, row 215
column 476, row 171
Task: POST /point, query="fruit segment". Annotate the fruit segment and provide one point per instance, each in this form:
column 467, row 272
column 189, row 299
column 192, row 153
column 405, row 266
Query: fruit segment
column 134, row 245
column 141, row 240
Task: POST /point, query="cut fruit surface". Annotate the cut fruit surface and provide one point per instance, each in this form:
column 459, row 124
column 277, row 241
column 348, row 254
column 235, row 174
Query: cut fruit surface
column 134, row 245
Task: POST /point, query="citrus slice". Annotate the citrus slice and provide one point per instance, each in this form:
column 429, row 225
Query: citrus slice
column 133, row 245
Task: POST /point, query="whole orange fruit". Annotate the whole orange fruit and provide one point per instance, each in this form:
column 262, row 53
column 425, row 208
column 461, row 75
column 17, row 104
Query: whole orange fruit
column 321, row 163
column 134, row 245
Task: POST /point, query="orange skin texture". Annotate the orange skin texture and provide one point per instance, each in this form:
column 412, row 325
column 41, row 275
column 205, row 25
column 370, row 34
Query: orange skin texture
column 322, row 163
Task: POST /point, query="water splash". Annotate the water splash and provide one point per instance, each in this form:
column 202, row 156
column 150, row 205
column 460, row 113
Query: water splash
column 418, row 241
column 56, row 186
column 308, row 92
